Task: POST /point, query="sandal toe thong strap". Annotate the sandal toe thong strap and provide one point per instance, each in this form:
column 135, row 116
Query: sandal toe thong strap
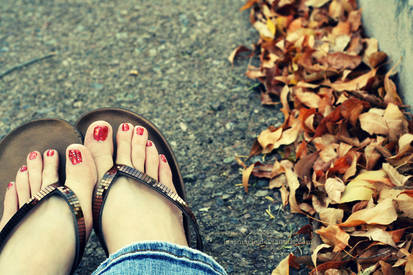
column 52, row 190
column 117, row 170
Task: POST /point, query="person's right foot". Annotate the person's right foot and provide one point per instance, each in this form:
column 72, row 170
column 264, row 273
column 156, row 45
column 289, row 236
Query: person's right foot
column 133, row 212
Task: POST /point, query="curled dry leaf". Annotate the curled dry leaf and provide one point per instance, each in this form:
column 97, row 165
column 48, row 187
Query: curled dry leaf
column 395, row 177
column 293, row 185
column 315, row 253
column 334, row 187
column 376, row 234
column 246, row 173
column 236, row 52
column 331, row 215
column 355, row 84
column 383, row 213
column 335, row 236
column 390, row 88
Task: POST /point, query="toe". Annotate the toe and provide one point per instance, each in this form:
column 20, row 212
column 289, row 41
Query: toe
column 50, row 166
column 34, row 168
column 124, row 139
column 139, row 139
column 152, row 160
column 22, row 185
column 10, row 204
column 98, row 140
column 81, row 178
column 165, row 173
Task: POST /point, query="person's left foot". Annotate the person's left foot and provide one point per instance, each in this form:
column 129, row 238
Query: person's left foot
column 44, row 242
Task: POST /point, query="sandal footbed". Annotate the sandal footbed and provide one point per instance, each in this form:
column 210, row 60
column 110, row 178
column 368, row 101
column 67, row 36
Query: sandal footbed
column 38, row 135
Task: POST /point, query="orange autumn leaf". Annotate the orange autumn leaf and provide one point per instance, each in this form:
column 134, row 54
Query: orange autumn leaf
column 249, row 4
column 236, row 52
column 383, row 213
column 293, row 185
column 246, row 173
column 355, row 84
column 335, row 236
column 283, row 267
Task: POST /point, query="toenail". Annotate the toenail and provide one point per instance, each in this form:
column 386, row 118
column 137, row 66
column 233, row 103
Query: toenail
column 75, row 156
column 148, row 143
column 125, row 127
column 50, row 153
column 139, row 131
column 32, row 155
column 9, row 185
column 23, row 168
column 163, row 158
column 100, row 133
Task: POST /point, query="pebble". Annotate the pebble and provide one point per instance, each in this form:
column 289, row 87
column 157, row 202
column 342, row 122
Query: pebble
column 183, row 126
column 121, row 35
column 152, row 52
column 261, row 193
column 228, row 160
column 243, row 229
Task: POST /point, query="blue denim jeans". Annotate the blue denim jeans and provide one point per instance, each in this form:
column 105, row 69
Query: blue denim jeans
column 158, row 258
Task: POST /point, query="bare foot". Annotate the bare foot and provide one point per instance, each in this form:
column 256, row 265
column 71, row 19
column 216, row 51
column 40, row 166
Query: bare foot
column 133, row 212
column 45, row 240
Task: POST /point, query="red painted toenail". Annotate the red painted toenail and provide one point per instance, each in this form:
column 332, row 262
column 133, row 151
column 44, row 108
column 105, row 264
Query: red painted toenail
column 32, row 155
column 100, row 133
column 75, row 156
column 125, row 127
column 50, row 153
column 163, row 158
column 148, row 143
column 139, row 131
column 23, row 168
column 9, row 185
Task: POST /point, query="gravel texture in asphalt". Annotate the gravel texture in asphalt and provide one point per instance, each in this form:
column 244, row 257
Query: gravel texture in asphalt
column 206, row 108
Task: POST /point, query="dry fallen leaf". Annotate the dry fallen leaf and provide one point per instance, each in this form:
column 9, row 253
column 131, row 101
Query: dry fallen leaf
column 376, row 234
column 334, row 187
column 343, row 121
column 315, row 253
column 383, row 213
column 246, row 173
column 335, row 236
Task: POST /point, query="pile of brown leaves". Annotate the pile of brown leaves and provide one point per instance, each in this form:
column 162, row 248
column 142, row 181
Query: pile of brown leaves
column 345, row 124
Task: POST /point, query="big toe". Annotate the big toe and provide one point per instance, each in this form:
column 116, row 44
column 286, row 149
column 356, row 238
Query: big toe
column 81, row 178
column 98, row 139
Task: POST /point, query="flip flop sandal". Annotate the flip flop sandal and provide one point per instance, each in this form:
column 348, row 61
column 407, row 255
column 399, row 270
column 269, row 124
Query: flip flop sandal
column 116, row 116
column 40, row 135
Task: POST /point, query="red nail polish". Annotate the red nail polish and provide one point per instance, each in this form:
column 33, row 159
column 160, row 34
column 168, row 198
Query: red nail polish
column 148, row 143
column 100, row 133
column 9, row 185
column 32, row 155
column 23, row 168
column 163, row 158
column 139, row 131
column 50, row 153
column 75, row 156
column 125, row 127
